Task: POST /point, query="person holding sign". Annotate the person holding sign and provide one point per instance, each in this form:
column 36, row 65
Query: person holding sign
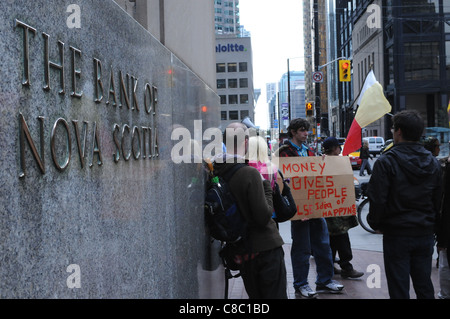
column 308, row 235
column 338, row 226
column 405, row 194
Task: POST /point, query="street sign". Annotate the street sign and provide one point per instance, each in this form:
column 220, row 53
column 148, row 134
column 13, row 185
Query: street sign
column 317, row 77
column 285, row 111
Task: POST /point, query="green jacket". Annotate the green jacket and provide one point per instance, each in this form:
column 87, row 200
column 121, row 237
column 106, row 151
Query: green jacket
column 254, row 199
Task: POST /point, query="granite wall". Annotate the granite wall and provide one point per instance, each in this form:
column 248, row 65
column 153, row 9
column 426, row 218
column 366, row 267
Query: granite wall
column 91, row 203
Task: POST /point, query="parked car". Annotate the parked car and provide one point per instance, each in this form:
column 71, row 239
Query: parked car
column 355, row 160
column 375, row 144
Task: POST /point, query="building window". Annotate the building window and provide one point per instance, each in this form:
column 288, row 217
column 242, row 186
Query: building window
column 232, row 83
column 223, row 115
column 244, row 114
column 232, row 67
column 232, row 99
column 418, row 7
column 243, row 67
column 243, row 98
column 421, row 61
column 234, row 115
column 220, row 67
column 221, row 84
column 223, row 99
column 243, row 83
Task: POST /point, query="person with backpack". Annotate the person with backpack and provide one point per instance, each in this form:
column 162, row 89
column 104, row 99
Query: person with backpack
column 261, row 254
column 309, row 236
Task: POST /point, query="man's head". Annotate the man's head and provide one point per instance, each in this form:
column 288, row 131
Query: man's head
column 331, row 146
column 408, row 126
column 236, row 138
column 298, row 130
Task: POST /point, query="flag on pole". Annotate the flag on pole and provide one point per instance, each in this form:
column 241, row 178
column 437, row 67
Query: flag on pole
column 372, row 106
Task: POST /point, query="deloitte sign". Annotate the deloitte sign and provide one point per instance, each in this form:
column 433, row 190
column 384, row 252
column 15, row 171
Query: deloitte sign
column 230, row 48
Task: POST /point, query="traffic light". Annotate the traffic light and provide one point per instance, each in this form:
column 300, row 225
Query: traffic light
column 344, row 71
column 309, row 109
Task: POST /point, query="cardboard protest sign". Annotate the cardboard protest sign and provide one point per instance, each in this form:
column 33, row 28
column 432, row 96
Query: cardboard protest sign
column 321, row 187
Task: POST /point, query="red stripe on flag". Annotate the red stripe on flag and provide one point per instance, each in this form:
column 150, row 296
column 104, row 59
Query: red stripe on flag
column 353, row 141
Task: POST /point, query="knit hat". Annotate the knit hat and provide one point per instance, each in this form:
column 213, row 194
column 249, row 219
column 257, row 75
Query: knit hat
column 330, row 142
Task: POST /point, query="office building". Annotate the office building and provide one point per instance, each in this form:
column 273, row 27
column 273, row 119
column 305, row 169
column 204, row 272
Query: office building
column 234, row 71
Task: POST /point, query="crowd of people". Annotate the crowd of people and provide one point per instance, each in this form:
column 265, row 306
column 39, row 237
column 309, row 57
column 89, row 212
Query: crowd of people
column 409, row 204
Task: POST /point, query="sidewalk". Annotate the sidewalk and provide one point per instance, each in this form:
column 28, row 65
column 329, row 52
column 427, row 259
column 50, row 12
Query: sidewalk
column 354, row 288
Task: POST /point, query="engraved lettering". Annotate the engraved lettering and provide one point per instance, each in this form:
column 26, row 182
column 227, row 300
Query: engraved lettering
column 26, row 51
column 144, row 142
column 116, row 130
column 148, row 98
column 112, row 89
column 68, row 145
column 128, row 155
column 98, row 81
column 136, row 143
column 81, row 149
column 123, row 92
column 24, row 132
column 134, row 85
column 96, row 150
column 75, row 73
column 48, row 64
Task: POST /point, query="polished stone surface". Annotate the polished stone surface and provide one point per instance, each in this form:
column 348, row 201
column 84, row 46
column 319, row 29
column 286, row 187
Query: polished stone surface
column 134, row 228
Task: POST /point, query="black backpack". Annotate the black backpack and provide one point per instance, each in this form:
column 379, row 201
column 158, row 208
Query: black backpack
column 223, row 218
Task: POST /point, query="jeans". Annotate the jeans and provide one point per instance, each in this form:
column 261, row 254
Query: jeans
column 365, row 164
column 406, row 256
column 311, row 237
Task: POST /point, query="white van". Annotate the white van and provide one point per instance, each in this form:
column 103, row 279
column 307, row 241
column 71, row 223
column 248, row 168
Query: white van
column 375, row 144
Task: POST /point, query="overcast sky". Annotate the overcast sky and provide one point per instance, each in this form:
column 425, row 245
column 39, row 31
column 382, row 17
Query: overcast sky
column 277, row 34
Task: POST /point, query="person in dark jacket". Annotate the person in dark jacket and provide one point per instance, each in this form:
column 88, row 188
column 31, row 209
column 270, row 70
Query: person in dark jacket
column 338, row 227
column 443, row 236
column 263, row 269
column 404, row 193
column 364, row 155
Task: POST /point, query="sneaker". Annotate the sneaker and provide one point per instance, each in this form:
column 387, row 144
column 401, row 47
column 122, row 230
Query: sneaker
column 306, row 292
column 332, row 287
column 351, row 273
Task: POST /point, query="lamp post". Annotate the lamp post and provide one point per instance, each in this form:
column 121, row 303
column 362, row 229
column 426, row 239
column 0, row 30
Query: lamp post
column 289, row 89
